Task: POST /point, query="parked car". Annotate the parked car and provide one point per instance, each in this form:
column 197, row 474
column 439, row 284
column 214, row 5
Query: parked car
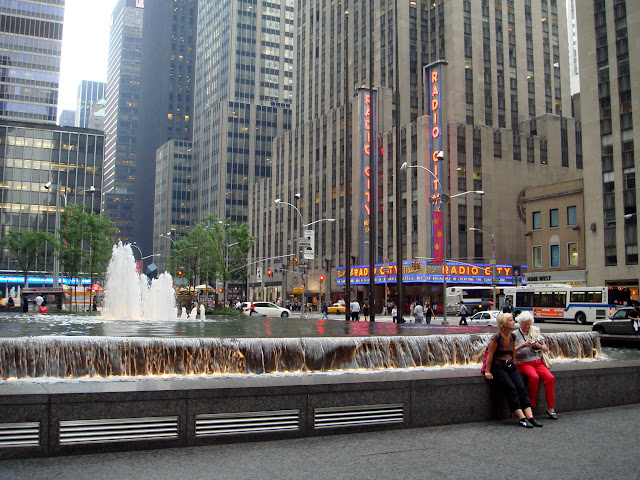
column 618, row 323
column 484, row 318
column 338, row 307
column 265, row 309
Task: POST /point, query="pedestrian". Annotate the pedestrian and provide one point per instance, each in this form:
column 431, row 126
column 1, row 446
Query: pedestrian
column 325, row 311
column 502, row 372
column 394, row 314
column 463, row 314
column 10, row 302
column 365, row 311
column 634, row 316
column 39, row 300
column 355, row 311
column 429, row 313
column 507, row 307
column 411, row 307
column 25, row 303
column 95, row 303
column 418, row 312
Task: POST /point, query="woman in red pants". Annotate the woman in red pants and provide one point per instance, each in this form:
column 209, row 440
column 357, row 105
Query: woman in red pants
column 529, row 347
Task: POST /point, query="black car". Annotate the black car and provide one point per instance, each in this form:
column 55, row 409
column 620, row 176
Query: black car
column 619, row 323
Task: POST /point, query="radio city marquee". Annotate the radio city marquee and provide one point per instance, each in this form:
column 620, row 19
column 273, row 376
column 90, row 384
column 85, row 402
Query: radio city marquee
column 368, row 106
column 415, row 272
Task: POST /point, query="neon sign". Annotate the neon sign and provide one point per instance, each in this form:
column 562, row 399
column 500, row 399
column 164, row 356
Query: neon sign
column 369, row 127
column 435, row 132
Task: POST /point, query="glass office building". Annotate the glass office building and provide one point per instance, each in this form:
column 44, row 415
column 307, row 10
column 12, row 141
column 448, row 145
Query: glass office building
column 30, row 50
column 32, row 155
column 89, row 92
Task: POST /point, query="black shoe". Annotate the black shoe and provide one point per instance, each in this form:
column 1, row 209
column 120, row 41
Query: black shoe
column 552, row 415
column 524, row 422
column 534, row 422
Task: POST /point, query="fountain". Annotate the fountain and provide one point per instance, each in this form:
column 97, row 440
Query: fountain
column 128, row 294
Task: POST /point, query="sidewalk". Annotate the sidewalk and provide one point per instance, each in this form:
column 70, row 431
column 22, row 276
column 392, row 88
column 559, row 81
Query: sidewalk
column 592, row 444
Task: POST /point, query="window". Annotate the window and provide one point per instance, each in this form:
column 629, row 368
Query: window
column 537, row 257
column 537, row 222
column 554, row 253
column 572, row 216
column 554, row 220
column 572, row 252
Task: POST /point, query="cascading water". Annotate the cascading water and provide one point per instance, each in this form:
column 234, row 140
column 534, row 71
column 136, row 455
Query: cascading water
column 74, row 357
column 128, row 295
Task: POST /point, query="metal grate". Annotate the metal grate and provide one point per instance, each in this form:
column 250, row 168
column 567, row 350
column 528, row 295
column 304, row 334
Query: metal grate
column 117, row 430
column 25, row 434
column 247, row 422
column 353, row 416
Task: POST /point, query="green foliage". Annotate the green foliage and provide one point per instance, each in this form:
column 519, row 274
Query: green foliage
column 26, row 246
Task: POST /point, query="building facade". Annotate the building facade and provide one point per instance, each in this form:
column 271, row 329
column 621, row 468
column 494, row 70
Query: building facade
column 167, row 97
column 244, row 88
column 555, row 233
column 31, row 39
column 33, row 154
column 572, row 32
column 122, row 116
column 172, row 213
column 507, row 100
column 607, row 81
column 67, row 118
column 89, row 92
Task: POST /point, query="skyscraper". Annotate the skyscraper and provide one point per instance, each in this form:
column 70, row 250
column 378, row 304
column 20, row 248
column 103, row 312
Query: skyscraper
column 31, row 39
column 572, row 31
column 166, row 101
column 506, row 98
column 608, row 78
column 244, row 87
column 67, row 118
column 121, row 121
column 89, row 92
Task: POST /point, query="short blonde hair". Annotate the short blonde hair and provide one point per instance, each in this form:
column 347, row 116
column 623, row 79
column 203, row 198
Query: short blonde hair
column 502, row 320
column 525, row 316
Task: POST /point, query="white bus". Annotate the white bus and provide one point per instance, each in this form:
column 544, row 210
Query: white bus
column 561, row 302
column 472, row 296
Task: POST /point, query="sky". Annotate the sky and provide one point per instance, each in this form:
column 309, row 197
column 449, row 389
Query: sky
column 85, row 47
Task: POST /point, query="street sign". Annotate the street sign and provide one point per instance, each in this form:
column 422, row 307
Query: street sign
column 259, row 274
column 305, row 241
column 307, row 244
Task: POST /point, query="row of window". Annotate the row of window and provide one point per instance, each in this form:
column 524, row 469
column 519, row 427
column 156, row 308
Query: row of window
column 554, row 218
column 554, row 255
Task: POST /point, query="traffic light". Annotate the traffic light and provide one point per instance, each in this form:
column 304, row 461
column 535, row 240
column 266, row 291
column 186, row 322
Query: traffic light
column 321, row 278
column 295, row 260
column 269, row 273
column 180, row 273
column 291, row 262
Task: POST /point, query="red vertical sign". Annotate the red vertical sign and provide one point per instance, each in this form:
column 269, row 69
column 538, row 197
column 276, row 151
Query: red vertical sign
column 438, row 237
column 139, row 267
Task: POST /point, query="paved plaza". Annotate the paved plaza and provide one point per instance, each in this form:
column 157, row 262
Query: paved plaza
column 592, row 444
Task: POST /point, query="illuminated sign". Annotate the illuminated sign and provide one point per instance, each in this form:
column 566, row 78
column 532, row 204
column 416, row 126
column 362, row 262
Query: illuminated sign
column 43, row 280
column 416, row 272
column 435, row 131
column 368, row 129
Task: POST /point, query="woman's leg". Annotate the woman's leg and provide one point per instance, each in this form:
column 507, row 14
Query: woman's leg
column 521, row 391
column 549, row 382
column 534, row 380
column 505, row 383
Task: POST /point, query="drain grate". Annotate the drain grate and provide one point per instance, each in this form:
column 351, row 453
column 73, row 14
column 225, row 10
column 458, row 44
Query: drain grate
column 117, row 430
column 336, row 417
column 25, row 434
column 247, row 422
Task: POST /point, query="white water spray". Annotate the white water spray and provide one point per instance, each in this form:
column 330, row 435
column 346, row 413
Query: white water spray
column 128, row 294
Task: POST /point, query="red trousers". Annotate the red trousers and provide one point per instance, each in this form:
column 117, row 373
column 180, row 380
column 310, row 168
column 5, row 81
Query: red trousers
column 536, row 370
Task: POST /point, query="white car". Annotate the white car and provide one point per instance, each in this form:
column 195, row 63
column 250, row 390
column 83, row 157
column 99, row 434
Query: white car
column 265, row 309
column 484, row 318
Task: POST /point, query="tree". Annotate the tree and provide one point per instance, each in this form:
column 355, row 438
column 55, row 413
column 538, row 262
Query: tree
column 74, row 221
column 99, row 233
column 26, row 246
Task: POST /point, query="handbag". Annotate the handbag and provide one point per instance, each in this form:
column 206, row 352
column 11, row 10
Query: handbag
column 546, row 360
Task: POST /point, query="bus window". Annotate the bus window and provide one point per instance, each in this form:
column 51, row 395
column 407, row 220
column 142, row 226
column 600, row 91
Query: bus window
column 559, row 299
column 586, row 297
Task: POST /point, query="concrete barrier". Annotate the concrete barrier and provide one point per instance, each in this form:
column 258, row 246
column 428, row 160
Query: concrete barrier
column 46, row 419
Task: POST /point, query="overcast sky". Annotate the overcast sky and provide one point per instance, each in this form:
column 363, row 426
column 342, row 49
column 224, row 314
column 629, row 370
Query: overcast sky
column 85, row 46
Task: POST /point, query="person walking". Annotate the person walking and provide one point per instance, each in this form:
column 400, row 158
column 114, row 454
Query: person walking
column 365, row 311
column 463, row 314
column 325, row 311
column 418, row 312
column 429, row 313
column 507, row 307
column 394, row 314
column 355, row 311
column 634, row 316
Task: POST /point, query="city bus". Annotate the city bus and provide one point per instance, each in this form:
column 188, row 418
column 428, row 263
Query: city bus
column 561, row 302
column 472, row 296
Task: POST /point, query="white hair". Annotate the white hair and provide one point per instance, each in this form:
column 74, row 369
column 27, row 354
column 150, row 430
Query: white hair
column 525, row 316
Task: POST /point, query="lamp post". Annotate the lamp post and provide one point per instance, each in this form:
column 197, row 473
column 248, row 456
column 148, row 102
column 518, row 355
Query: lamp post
column 226, row 284
column 280, row 202
column 493, row 260
column 347, row 176
column 444, row 199
column 56, row 226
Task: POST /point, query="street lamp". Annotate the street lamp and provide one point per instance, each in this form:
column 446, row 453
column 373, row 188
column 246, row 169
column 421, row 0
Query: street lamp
column 226, row 284
column 166, row 235
column 318, row 221
column 56, row 226
column 630, row 215
column 139, row 250
column 280, row 202
column 493, row 260
column 444, row 199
